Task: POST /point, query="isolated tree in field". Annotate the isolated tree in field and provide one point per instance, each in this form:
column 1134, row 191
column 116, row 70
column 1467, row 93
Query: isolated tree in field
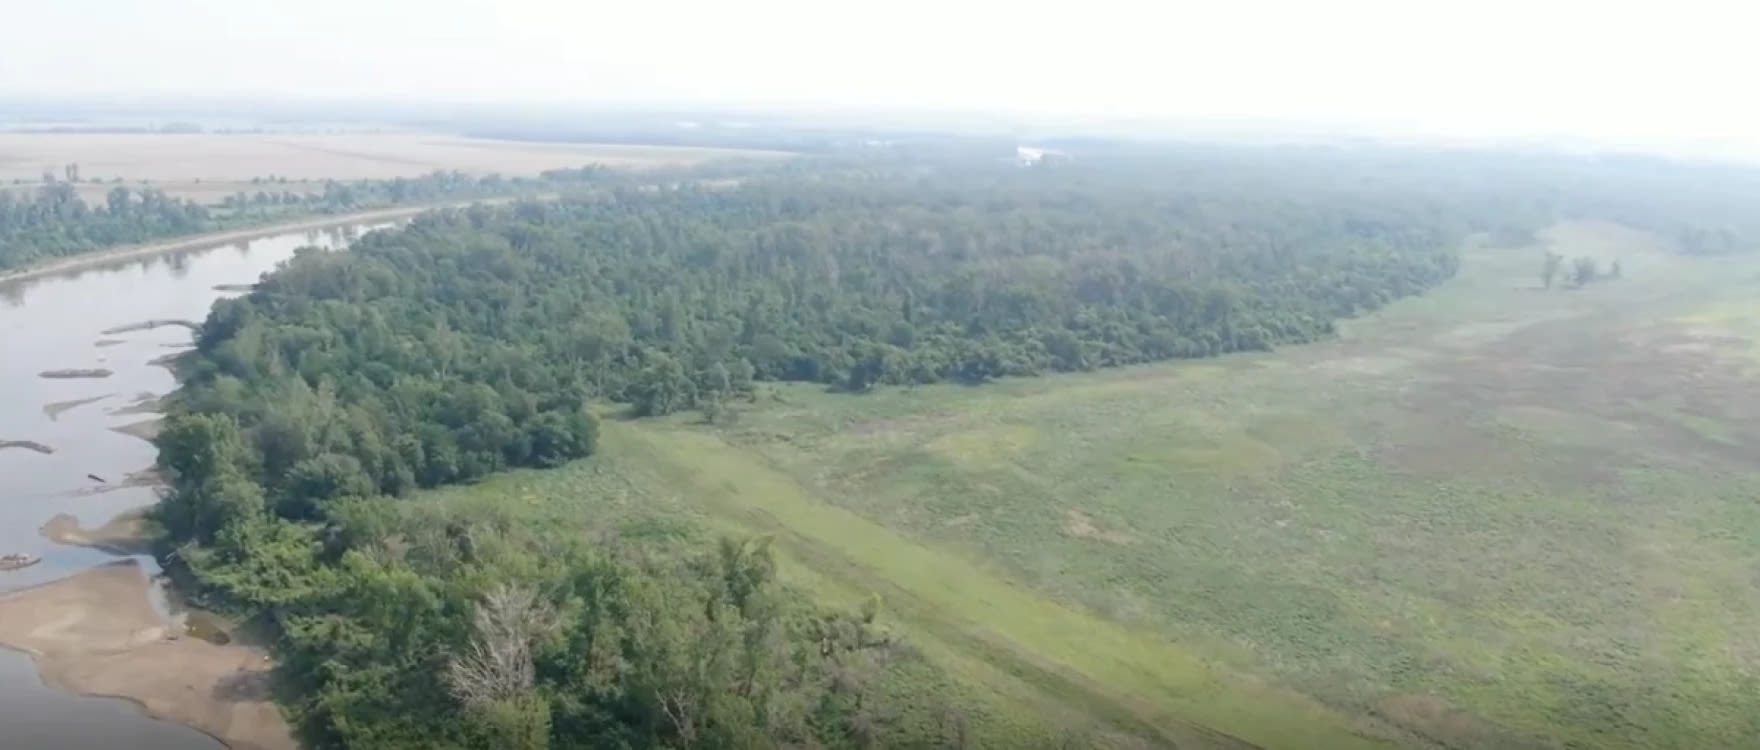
column 1584, row 270
column 1549, row 271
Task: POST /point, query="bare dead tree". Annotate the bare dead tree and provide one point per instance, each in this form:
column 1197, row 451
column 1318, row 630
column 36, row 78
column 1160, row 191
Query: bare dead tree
column 680, row 709
column 498, row 664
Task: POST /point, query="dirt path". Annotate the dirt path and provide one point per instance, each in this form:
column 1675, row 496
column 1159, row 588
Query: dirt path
column 195, row 242
column 97, row 633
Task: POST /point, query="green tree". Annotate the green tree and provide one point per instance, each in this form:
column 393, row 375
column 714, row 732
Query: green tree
column 662, row 387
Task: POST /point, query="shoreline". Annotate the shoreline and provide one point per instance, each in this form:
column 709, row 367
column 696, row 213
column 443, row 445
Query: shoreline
column 85, row 261
column 96, row 634
column 135, row 703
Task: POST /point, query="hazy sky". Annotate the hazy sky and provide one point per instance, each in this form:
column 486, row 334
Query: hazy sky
column 1629, row 70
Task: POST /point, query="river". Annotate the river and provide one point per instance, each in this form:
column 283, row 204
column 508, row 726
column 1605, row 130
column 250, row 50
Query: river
column 59, row 322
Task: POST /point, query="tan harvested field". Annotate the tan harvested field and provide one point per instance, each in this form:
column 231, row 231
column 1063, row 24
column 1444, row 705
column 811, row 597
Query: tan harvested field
column 209, row 167
column 97, row 633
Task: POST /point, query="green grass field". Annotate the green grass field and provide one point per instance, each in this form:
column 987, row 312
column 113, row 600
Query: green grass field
column 1492, row 517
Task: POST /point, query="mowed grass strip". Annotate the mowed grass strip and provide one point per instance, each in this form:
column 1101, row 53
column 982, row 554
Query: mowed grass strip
column 1134, row 678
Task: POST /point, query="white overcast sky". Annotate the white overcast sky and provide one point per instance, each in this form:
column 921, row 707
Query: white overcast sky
column 1635, row 70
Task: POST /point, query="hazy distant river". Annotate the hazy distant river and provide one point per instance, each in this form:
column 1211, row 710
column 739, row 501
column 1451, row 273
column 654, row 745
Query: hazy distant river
column 57, row 322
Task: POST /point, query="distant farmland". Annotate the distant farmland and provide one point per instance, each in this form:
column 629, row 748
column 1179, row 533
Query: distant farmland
column 209, row 167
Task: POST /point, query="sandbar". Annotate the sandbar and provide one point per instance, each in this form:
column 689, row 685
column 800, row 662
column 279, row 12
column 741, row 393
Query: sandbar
column 97, row 633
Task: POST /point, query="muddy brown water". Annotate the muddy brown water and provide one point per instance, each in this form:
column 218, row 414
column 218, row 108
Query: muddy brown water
column 52, row 323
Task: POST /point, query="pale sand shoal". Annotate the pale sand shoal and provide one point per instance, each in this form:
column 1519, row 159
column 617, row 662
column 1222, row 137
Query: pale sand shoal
column 97, row 633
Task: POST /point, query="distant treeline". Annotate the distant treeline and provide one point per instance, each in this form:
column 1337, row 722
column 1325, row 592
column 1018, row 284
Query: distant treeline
column 53, row 221
column 1699, row 207
column 765, row 141
column 822, row 141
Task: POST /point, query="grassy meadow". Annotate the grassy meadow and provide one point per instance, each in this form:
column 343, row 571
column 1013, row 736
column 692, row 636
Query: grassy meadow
column 1495, row 516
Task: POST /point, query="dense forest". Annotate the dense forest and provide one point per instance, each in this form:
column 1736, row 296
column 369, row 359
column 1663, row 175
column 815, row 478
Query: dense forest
column 54, row 221
column 669, row 298
column 478, row 340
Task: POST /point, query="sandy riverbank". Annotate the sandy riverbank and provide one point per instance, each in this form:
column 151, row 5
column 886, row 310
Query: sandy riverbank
column 200, row 241
column 97, row 633
column 146, row 429
column 125, row 534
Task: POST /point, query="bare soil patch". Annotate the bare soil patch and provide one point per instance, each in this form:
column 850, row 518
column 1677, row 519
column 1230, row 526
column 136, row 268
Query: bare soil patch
column 97, row 633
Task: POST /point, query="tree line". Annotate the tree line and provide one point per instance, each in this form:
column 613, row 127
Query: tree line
column 54, row 221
